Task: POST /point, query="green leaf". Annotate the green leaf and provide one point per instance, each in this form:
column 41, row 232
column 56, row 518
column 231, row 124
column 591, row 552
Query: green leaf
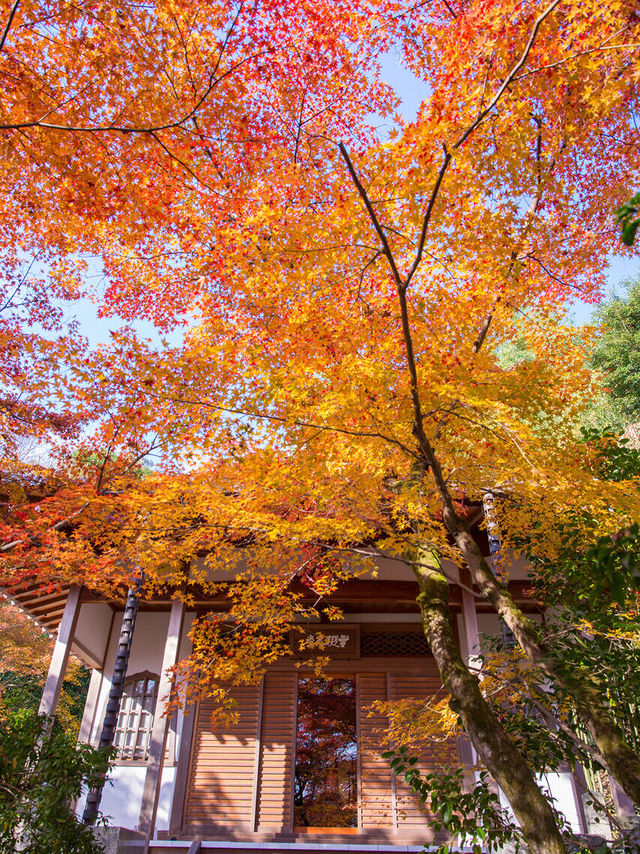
column 629, row 232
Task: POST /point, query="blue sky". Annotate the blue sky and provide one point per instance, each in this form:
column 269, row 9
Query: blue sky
column 620, row 270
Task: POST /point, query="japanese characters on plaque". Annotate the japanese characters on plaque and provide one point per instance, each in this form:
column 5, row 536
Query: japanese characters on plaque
column 332, row 641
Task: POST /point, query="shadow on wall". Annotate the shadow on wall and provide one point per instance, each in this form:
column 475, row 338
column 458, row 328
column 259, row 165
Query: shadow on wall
column 216, row 812
column 220, row 786
column 122, row 796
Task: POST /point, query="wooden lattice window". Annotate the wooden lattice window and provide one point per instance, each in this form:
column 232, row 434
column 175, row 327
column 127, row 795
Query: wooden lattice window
column 135, row 720
column 393, row 643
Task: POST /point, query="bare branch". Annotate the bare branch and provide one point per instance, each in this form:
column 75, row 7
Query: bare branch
column 511, row 76
column 372, row 215
column 12, row 14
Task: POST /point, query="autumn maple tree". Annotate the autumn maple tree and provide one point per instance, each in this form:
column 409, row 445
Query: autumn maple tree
column 325, row 772
column 342, row 396
column 124, row 125
column 126, row 128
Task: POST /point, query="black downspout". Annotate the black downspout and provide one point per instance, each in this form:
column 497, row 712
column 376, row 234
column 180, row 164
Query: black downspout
column 94, row 795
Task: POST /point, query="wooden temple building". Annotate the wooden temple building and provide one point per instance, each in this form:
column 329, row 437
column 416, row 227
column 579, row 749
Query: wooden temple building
column 264, row 783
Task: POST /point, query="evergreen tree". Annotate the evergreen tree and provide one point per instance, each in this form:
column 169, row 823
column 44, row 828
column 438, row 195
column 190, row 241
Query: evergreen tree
column 617, row 352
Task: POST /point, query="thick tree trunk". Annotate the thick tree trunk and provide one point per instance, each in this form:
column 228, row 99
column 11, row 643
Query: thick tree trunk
column 622, row 762
column 494, row 748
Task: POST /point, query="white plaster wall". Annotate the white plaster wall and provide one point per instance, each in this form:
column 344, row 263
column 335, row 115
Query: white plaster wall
column 122, row 794
column 380, row 618
column 146, row 654
column 147, row 651
column 560, row 787
column 393, row 569
column 388, row 568
column 488, row 624
column 563, row 792
column 204, row 567
column 92, row 630
column 121, row 800
column 517, row 567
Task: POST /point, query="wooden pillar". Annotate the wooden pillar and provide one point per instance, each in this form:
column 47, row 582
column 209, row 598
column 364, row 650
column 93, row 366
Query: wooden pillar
column 256, row 765
column 394, row 787
column 470, row 622
column 89, row 714
column 93, row 694
column 60, row 657
column 160, row 729
column 182, row 770
column 472, row 643
column 189, row 717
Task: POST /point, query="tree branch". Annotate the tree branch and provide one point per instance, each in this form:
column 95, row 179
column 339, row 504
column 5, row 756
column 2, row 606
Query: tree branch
column 427, row 216
column 526, row 228
column 280, row 419
column 510, row 76
column 149, row 129
column 12, row 14
column 7, row 547
column 372, row 214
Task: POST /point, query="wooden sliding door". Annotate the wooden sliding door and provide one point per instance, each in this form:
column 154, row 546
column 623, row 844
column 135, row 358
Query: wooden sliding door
column 241, row 778
column 221, row 783
column 276, row 753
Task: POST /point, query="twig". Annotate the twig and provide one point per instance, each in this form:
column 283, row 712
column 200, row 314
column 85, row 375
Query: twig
column 149, row 129
column 526, row 228
column 7, row 547
column 575, row 56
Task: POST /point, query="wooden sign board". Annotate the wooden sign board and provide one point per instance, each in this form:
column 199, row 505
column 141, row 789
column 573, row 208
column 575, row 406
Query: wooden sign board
column 341, row 641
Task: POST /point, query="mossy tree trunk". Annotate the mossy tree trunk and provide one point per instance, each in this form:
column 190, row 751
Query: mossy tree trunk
column 591, row 705
column 495, row 749
column 623, row 762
